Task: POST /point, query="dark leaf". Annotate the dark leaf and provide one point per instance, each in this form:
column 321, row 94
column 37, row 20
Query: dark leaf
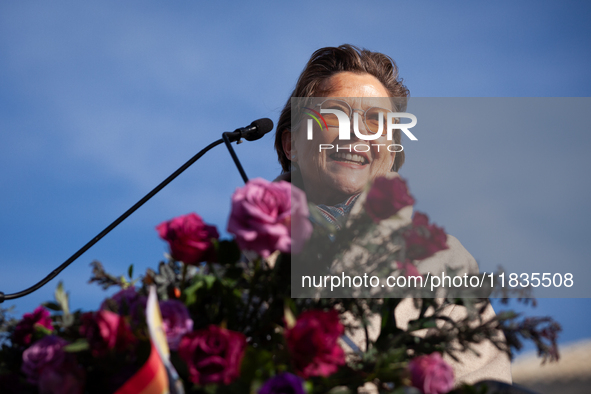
column 52, row 306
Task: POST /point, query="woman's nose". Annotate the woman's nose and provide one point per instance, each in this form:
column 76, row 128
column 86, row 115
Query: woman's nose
column 358, row 122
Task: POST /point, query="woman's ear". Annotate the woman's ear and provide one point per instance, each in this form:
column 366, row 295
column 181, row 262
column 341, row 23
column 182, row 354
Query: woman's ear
column 288, row 148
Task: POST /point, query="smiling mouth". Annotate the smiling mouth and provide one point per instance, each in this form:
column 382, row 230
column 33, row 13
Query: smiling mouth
column 349, row 158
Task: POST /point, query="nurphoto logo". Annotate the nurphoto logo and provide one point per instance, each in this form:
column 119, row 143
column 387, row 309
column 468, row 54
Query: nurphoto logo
column 338, row 113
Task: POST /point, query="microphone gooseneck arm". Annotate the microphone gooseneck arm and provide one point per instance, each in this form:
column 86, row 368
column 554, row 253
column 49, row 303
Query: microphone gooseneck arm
column 255, row 131
column 226, row 138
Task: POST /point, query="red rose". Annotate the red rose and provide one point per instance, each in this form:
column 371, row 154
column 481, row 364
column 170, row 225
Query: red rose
column 386, row 197
column 24, row 330
column 189, row 238
column 213, row 354
column 423, row 239
column 431, row 374
column 313, row 343
column 106, row 331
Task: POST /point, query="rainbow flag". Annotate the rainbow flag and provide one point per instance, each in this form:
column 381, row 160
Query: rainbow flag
column 157, row 375
column 150, row 379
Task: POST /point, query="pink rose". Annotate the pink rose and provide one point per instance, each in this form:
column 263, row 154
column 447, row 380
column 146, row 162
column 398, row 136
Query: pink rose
column 176, row 322
column 44, row 352
column 386, row 197
column 189, row 238
column 269, row 216
column 106, row 331
column 213, row 355
column 313, row 343
column 423, row 239
column 24, row 330
column 431, row 374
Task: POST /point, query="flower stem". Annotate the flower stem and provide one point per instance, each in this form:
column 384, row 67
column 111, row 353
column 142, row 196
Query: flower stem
column 184, row 277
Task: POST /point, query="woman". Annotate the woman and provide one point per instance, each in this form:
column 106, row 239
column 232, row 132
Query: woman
column 334, row 171
column 338, row 72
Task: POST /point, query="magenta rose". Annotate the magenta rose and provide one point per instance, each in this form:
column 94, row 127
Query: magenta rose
column 106, row 331
column 313, row 343
column 176, row 322
column 189, row 238
column 44, row 352
column 386, row 197
column 25, row 329
column 213, row 354
column 423, row 239
column 431, row 374
column 269, row 216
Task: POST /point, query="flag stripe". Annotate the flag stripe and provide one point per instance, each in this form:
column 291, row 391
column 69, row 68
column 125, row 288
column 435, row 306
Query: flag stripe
column 150, row 379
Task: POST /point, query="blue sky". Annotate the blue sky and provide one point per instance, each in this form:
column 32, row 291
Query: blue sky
column 101, row 101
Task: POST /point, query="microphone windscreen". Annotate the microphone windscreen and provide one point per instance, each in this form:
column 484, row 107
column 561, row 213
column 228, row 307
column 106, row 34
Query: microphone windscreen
column 263, row 126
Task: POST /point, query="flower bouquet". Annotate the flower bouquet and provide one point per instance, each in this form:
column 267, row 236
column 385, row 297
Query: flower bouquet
column 218, row 315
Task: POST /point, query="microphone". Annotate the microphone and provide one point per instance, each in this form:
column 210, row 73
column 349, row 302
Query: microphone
column 252, row 132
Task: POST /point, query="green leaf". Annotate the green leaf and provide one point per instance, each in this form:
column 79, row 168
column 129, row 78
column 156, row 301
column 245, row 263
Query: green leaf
column 191, row 293
column 200, row 282
column 257, row 364
column 78, row 346
column 67, row 320
column 209, row 281
column 62, row 298
column 211, row 388
column 41, row 331
column 130, row 271
column 124, row 283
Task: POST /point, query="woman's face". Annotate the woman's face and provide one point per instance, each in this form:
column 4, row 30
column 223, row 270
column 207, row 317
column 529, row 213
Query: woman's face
column 330, row 177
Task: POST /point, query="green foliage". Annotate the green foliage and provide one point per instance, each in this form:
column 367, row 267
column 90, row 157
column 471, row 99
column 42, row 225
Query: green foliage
column 104, row 279
column 7, row 323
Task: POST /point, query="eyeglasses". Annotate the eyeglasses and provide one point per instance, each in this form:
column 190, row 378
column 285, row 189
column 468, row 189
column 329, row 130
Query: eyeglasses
column 373, row 117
